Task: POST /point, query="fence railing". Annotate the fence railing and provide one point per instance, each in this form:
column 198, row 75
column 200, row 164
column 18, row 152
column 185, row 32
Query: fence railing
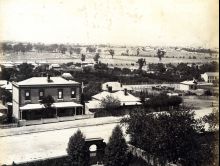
column 149, row 159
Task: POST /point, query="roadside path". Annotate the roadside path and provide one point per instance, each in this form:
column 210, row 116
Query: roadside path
column 58, row 126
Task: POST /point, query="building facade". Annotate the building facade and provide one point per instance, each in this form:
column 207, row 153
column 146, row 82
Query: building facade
column 210, row 77
column 28, row 94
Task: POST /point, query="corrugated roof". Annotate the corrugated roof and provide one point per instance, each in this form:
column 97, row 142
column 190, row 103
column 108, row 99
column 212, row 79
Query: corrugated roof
column 43, row 81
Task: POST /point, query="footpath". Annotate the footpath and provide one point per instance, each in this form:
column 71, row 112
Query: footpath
column 58, row 126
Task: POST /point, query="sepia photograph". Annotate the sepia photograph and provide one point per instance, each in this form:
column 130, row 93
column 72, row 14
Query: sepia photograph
column 109, row 83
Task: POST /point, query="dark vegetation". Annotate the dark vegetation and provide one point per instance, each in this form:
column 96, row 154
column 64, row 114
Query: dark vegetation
column 173, row 136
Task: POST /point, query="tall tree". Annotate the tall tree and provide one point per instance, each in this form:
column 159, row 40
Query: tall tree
column 116, row 149
column 141, row 62
column 83, row 57
column 138, row 51
column 77, row 151
column 111, row 52
column 96, row 57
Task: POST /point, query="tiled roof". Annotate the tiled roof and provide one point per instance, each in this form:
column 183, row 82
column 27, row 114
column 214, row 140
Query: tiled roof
column 43, row 81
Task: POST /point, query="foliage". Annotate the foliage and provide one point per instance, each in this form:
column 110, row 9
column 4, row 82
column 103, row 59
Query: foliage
column 160, row 53
column 116, row 149
column 141, row 62
column 83, row 57
column 91, row 89
column 47, row 101
column 111, row 52
column 169, row 136
column 96, row 57
column 110, row 103
column 77, row 150
column 25, row 71
column 212, row 119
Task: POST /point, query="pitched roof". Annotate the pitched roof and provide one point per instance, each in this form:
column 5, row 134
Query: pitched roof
column 116, row 86
column 120, row 95
column 43, row 81
column 212, row 73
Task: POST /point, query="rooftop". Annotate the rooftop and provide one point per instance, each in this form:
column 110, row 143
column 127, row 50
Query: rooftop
column 43, row 81
column 212, row 73
column 120, row 95
column 116, row 86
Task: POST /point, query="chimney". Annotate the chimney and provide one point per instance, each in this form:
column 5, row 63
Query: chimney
column 121, row 85
column 125, row 92
column 48, row 78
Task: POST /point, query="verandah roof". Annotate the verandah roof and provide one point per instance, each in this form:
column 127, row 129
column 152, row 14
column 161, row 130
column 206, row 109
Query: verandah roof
column 54, row 105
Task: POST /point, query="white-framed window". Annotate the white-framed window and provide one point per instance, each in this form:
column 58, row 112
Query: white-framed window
column 73, row 93
column 41, row 94
column 27, row 95
column 60, row 93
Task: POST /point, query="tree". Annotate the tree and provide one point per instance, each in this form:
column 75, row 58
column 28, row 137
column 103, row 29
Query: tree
column 77, row 151
column 25, row 70
column 47, row 101
column 138, row 51
column 160, row 54
column 96, row 57
column 111, row 52
column 116, row 149
column 141, row 62
column 83, row 57
column 169, row 136
column 110, row 104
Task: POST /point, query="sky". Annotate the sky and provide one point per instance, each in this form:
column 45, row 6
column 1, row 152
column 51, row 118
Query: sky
column 123, row 22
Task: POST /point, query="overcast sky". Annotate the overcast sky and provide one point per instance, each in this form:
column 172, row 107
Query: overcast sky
column 125, row 22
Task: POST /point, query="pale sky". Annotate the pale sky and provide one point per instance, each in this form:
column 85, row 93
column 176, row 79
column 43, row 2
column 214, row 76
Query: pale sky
column 124, row 22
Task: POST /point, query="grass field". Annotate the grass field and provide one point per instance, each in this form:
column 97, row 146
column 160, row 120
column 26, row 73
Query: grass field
column 171, row 56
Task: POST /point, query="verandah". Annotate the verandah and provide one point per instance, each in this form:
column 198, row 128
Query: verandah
column 43, row 113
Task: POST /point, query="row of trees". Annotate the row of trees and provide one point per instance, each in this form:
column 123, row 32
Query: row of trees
column 115, row 152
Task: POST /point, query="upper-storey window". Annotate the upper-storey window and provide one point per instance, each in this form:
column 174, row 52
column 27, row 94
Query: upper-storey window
column 41, row 94
column 73, row 93
column 60, row 93
column 27, row 95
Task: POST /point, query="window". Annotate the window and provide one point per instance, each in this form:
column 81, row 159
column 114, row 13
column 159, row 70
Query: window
column 41, row 94
column 73, row 93
column 27, row 95
column 60, row 93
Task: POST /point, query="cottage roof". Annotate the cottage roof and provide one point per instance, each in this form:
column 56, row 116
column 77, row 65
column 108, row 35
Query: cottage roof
column 120, row 95
column 116, row 86
column 43, row 81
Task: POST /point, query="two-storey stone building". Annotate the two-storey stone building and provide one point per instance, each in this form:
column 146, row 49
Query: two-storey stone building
column 27, row 95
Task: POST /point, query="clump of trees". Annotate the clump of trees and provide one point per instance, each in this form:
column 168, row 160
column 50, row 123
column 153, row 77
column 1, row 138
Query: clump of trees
column 173, row 136
column 77, row 151
column 116, row 150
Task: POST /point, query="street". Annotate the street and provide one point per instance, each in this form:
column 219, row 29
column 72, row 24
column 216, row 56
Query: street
column 27, row 147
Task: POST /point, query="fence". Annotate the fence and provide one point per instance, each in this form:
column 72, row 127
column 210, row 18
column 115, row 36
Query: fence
column 150, row 159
